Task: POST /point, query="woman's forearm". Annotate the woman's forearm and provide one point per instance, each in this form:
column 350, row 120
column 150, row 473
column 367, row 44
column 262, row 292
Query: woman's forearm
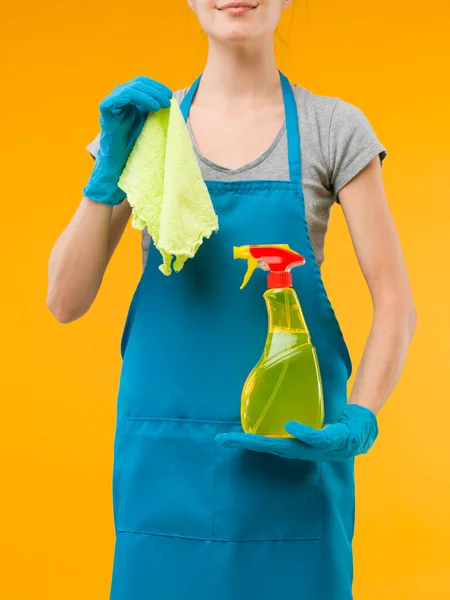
column 79, row 258
column 379, row 253
column 384, row 355
column 119, row 219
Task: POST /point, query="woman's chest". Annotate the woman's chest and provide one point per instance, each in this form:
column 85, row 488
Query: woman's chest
column 234, row 138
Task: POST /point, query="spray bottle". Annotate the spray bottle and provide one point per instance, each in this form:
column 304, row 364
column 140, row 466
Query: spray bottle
column 285, row 384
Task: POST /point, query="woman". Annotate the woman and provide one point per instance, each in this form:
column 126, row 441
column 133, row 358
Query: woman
column 202, row 509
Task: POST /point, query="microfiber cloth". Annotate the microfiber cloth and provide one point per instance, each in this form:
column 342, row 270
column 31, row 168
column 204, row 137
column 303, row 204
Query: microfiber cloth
column 165, row 188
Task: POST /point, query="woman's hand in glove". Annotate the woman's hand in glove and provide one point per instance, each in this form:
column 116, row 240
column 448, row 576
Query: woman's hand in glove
column 122, row 115
column 353, row 434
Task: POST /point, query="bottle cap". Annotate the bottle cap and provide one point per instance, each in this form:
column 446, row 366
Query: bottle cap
column 279, row 279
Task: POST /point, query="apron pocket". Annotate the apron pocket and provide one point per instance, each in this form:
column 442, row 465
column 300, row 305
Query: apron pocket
column 262, row 497
column 166, row 477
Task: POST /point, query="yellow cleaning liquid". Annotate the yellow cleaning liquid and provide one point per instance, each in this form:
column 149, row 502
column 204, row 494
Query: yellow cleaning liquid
column 285, row 384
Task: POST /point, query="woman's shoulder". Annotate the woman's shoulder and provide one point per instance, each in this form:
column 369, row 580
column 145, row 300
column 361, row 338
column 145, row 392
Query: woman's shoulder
column 180, row 94
column 337, row 119
column 347, row 137
column 325, row 108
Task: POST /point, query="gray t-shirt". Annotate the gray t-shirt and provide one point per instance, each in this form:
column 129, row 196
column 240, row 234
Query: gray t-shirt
column 337, row 142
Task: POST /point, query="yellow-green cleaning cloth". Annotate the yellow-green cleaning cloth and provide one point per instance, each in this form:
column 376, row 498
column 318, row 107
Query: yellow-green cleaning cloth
column 165, row 188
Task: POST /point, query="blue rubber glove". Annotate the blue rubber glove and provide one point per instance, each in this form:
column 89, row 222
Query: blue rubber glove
column 122, row 115
column 353, row 434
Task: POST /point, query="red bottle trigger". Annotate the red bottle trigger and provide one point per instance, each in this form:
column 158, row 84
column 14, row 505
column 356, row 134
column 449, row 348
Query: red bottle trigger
column 280, row 260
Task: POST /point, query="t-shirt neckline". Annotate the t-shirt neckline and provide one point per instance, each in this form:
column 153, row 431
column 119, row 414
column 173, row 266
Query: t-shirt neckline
column 245, row 167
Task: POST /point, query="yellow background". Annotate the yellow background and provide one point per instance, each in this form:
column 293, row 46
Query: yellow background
column 59, row 59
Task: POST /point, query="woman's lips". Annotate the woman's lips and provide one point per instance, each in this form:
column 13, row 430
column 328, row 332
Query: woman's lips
column 237, row 9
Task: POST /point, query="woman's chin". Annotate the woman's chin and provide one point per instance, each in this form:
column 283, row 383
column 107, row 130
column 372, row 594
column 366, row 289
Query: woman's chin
column 238, row 34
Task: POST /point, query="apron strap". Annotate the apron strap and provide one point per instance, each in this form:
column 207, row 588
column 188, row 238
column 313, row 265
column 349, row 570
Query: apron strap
column 292, row 131
column 185, row 105
column 292, row 128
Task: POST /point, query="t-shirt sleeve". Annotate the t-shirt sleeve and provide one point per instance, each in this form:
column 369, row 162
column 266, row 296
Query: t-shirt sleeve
column 353, row 143
column 93, row 146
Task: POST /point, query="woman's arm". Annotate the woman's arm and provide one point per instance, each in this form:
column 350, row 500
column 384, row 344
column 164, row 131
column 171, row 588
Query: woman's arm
column 379, row 254
column 79, row 258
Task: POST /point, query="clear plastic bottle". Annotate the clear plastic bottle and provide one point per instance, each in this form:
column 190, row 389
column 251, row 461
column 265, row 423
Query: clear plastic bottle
column 285, row 384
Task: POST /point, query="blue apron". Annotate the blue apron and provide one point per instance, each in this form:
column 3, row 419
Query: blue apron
column 194, row 519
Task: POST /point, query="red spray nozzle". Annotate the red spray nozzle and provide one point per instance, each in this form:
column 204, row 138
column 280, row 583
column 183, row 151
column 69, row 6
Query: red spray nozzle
column 279, row 259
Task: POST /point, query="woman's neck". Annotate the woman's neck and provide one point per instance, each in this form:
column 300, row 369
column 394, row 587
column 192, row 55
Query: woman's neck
column 239, row 75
